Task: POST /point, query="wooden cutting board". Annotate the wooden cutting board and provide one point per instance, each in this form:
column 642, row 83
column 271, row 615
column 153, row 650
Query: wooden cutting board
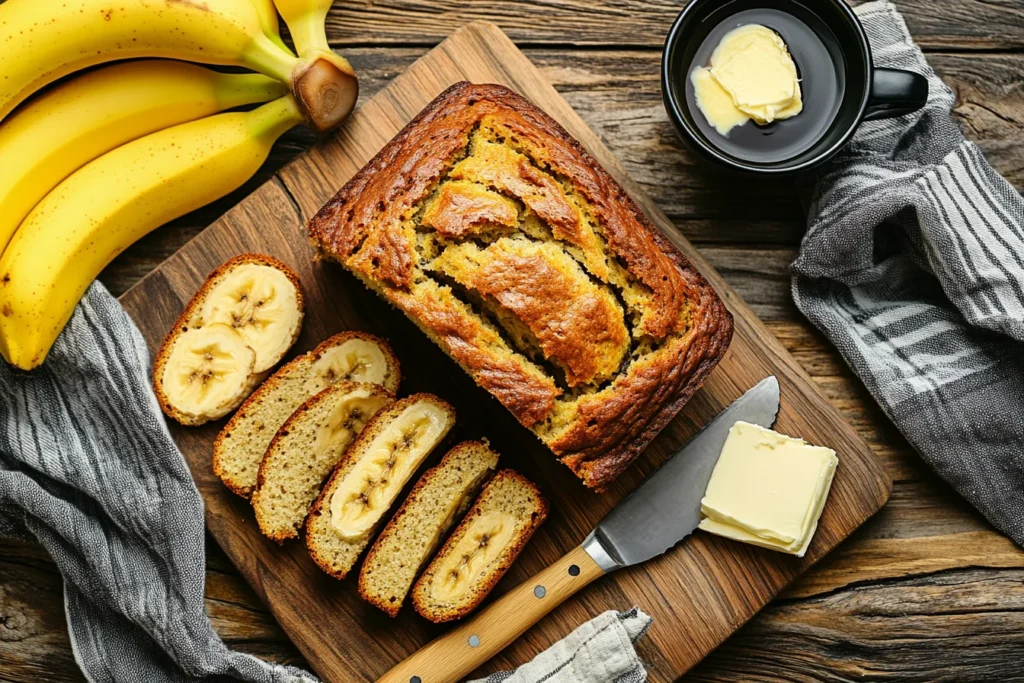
column 698, row 593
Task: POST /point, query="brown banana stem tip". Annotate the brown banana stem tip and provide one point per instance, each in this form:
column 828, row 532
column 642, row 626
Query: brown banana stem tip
column 326, row 90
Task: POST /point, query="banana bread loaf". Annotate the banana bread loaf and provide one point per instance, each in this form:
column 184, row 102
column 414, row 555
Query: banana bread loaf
column 511, row 248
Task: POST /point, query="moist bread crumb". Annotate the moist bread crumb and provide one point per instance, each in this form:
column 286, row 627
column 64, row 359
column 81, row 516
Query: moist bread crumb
column 507, row 496
column 242, row 443
column 334, row 553
column 495, row 232
column 439, row 499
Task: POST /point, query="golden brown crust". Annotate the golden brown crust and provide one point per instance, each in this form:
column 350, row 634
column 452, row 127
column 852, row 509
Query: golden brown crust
column 391, row 608
column 489, row 135
column 322, row 505
column 184, row 321
column 586, row 336
column 509, row 556
column 462, row 209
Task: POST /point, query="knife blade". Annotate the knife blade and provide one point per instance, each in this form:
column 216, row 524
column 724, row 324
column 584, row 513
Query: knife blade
column 662, row 511
column 665, row 508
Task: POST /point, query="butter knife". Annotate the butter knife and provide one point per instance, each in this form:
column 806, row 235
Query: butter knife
column 660, row 513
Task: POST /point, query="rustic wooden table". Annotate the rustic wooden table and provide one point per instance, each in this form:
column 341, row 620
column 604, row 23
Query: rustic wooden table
column 926, row 591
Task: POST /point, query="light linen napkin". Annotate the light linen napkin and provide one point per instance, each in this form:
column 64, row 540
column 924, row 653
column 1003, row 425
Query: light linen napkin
column 599, row 651
column 89, row 470
column 913, row 266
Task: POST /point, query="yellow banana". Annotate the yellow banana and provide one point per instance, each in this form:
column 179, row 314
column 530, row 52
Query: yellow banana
column 269, row 22
column 113, row 201
column 42, row 41
column 63, row 129
column 307, row 22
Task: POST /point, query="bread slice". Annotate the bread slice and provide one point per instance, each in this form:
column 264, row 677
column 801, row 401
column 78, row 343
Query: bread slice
column 240, row 446
column 368, row 480
column 481, row 549
column 260, row 299
column 304, row 450
column 438, row 500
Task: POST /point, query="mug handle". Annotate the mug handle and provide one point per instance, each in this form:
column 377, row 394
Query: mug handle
column 894, row 93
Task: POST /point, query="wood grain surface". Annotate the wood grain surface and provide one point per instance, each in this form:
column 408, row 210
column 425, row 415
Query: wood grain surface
column 925, row 574
column 698, row 594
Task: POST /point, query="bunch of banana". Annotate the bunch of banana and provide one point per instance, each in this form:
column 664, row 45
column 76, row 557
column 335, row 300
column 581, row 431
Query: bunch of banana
column 94, row 163
column 65, row 128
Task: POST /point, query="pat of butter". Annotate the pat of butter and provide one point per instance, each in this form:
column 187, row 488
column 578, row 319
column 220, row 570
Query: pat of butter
column 715, row 103
column 751, row 75
column 768, row 489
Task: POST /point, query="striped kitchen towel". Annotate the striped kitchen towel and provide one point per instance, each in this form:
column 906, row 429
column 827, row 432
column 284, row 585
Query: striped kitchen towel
column 89, row 470
column 913, row 266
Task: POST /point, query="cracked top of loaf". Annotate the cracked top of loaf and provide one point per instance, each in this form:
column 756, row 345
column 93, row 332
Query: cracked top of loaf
column 510, row 247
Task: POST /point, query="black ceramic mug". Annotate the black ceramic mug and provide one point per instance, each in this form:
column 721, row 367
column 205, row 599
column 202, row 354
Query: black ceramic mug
column 840, row 85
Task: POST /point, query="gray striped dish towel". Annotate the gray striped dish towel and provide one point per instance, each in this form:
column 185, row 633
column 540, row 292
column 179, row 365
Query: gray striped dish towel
column 913, row 266
column 89, row 470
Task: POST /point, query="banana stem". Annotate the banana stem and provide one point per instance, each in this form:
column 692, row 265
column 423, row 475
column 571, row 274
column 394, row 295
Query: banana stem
column 326, row 90
column 237, row 90
column 266, row 57
column 309, row 31
column 273, row 119
column 269, row 22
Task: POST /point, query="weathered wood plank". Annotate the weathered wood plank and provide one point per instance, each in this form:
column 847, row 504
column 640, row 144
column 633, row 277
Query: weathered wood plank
column 973, row 24
column 865, row 560
column 965, row 625
column 34, row 644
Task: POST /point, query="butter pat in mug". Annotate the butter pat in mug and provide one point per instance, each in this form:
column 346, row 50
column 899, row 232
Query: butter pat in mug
column 768, row 489
column 751, row 75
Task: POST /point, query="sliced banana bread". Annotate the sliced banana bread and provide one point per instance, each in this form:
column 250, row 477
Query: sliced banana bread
column 438, row 500
column 353, row 356
column 253, row 306
column 304, row 450
column 481, row 549
column 366, row 482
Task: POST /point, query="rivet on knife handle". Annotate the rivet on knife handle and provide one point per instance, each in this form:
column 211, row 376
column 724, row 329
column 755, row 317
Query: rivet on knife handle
column 456, row 654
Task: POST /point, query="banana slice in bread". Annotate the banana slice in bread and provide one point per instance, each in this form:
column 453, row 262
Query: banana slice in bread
column 349, row 356
column 256, row 297
column 260, row 298
column 366, row 482
column 304, row 450
column 203, row 373
column 481, row 549
column 439, row 499
column 356, row 357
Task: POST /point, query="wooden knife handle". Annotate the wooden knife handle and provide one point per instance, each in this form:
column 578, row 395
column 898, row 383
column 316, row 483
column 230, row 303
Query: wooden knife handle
column 453, row 656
